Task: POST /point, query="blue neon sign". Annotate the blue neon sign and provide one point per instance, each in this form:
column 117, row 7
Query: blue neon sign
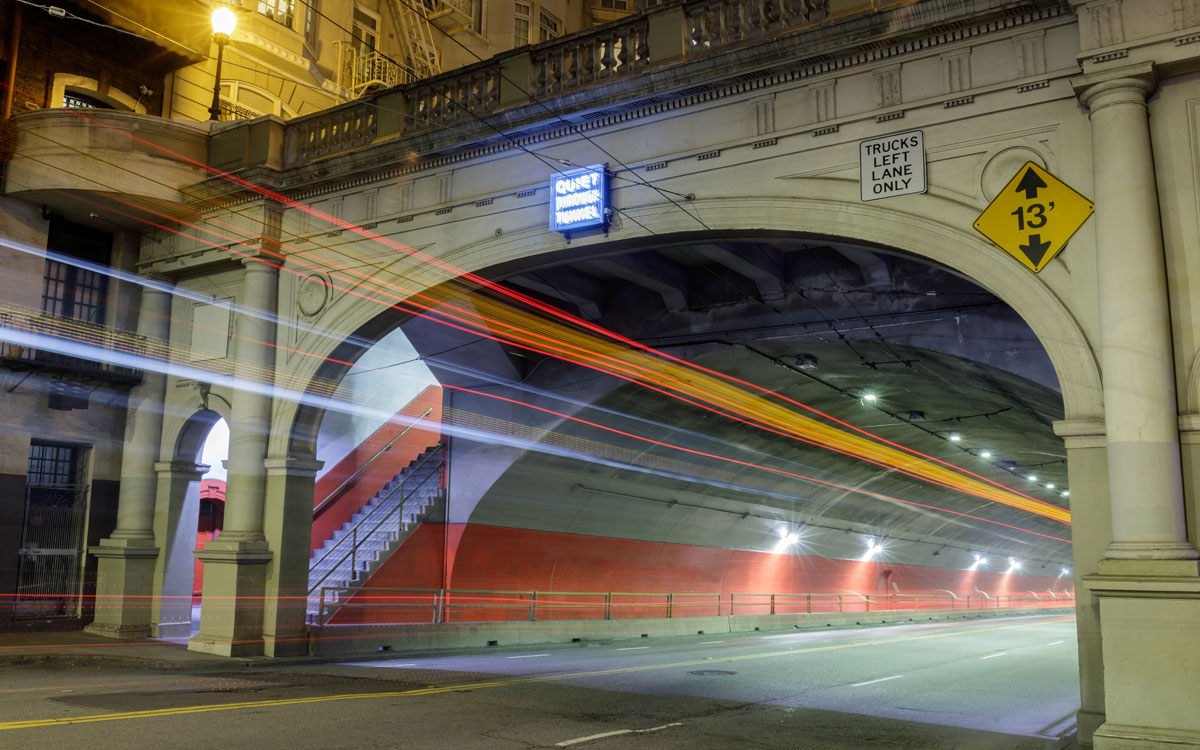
column 579, row 199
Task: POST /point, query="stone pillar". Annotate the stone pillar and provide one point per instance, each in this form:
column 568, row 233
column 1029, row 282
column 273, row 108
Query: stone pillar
column 231, row 613
column 175, row 529
column 1136, row 354
column 290, row 486
column 1148, row 584
column 125, row 571
column 1091, row 533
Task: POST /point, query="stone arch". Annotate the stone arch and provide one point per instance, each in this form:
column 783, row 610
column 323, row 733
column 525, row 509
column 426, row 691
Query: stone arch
column 178, row 508
column 939, row 234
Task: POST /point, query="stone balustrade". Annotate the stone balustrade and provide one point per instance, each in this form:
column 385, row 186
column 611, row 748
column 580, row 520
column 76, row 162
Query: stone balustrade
column 620, row 50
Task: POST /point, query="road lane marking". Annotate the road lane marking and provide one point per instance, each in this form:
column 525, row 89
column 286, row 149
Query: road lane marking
column 1054, row 644
column 993, row 656
column 633, row 648
column 708, row 643
column 881, row 679
column 615, row 733
column 464, row 687
column 526, row 656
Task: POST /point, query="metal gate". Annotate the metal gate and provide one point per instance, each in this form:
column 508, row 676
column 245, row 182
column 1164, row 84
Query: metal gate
column 51, row 553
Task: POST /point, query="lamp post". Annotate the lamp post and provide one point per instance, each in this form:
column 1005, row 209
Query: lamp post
column 223, row 22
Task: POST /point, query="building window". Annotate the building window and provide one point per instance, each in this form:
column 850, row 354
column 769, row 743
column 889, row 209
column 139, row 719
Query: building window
column 312, row 21
column 71, row 289
column 522, row 13
column 76, row 100
column 366, row 30
column 279, row 11
column 549, row 26
column 614, row 4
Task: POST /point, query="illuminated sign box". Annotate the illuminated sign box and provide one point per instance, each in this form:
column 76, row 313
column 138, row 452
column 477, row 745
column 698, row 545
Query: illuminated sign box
column 579, row 199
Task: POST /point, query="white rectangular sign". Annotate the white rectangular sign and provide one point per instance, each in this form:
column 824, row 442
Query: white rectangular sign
column 892, row 165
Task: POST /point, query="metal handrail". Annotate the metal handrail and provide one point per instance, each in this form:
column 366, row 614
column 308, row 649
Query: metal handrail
column 354, row 529
column 358, row 472
column 442, row 601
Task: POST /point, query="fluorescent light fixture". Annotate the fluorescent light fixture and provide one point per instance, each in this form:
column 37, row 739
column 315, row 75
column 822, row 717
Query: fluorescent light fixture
column 954, row 437
column 1032, row 477
column 869, row 397
column 1049, row 485
column 985, row 454
column 1065, row 493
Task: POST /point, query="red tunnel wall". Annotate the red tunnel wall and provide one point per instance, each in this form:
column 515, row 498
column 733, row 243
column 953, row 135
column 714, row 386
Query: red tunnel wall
column 493, row 558
column 329, row 518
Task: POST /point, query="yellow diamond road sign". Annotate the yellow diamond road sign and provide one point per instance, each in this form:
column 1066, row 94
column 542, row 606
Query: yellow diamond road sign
column 1033, row 216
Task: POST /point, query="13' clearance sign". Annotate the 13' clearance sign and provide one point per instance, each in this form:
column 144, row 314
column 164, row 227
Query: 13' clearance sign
column 579, row 199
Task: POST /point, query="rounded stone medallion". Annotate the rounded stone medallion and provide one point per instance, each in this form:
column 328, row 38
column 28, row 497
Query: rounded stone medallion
column 1001, row 167
column 312, row 294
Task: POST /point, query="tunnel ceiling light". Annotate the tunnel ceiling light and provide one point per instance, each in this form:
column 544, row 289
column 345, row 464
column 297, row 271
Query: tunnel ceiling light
column 954, row 437
column 1049, row 485
column 985, row 454
column 1013, row 565
column 1064, row 572
column 873, row 548
column 1032, row 477
column 980, row 562
column 1065, row 493
column 869, row 397
column 806, row 361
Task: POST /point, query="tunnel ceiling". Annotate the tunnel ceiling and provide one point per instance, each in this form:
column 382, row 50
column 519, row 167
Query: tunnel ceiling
column 820, row 322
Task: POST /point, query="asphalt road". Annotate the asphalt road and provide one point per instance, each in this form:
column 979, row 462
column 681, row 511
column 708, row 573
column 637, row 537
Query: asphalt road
column 999, row 683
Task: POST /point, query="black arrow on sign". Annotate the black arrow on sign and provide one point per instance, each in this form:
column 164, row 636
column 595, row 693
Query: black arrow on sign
column 1036, row 249
column 1030, row 184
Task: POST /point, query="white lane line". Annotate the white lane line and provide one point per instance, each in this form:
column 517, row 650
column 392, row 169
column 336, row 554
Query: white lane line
column 602, row 735
column 632, row 648
column 1054, row 644
column 526, row 656
column 993, row 656
column 709, row 643
column 773, row 637
column 881, row 679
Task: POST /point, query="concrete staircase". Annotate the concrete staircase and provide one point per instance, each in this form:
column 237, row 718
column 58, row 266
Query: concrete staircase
column 347, row 559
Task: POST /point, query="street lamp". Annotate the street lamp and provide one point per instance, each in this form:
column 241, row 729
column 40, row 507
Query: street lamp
column 223, row 22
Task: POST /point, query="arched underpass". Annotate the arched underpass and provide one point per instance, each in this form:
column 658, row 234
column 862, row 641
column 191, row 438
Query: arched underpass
column 580, row 500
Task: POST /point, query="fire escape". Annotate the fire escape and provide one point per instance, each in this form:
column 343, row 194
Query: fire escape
column 417, row 24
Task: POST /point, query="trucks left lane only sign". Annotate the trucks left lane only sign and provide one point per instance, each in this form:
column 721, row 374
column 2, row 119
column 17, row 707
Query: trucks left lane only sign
column 892, row 165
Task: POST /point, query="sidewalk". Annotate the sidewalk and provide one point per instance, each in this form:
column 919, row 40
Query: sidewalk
column 72, row 648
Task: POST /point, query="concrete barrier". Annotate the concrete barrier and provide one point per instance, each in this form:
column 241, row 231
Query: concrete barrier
column 372, row 640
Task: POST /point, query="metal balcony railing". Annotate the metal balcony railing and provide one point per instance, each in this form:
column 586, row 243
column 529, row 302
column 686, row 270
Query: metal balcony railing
column 107, row 351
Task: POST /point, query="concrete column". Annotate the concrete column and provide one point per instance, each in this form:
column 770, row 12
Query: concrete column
column 1148, row 584
column 290, row 486
column 231, row 614
column 1145, row 479
column 1091, row 533
column 175, row 529
column 125, row 571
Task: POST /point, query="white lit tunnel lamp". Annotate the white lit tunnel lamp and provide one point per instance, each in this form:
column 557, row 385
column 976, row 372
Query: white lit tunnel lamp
column 870, row 397
column 954, row 437
column 980, row 562
column 223, row 23
column 787, row 538
column 1013, row 565
column 873, row 548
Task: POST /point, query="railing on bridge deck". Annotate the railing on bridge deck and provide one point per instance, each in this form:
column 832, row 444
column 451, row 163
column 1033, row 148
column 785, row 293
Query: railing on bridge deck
column 611, row 52
column 401, row 605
